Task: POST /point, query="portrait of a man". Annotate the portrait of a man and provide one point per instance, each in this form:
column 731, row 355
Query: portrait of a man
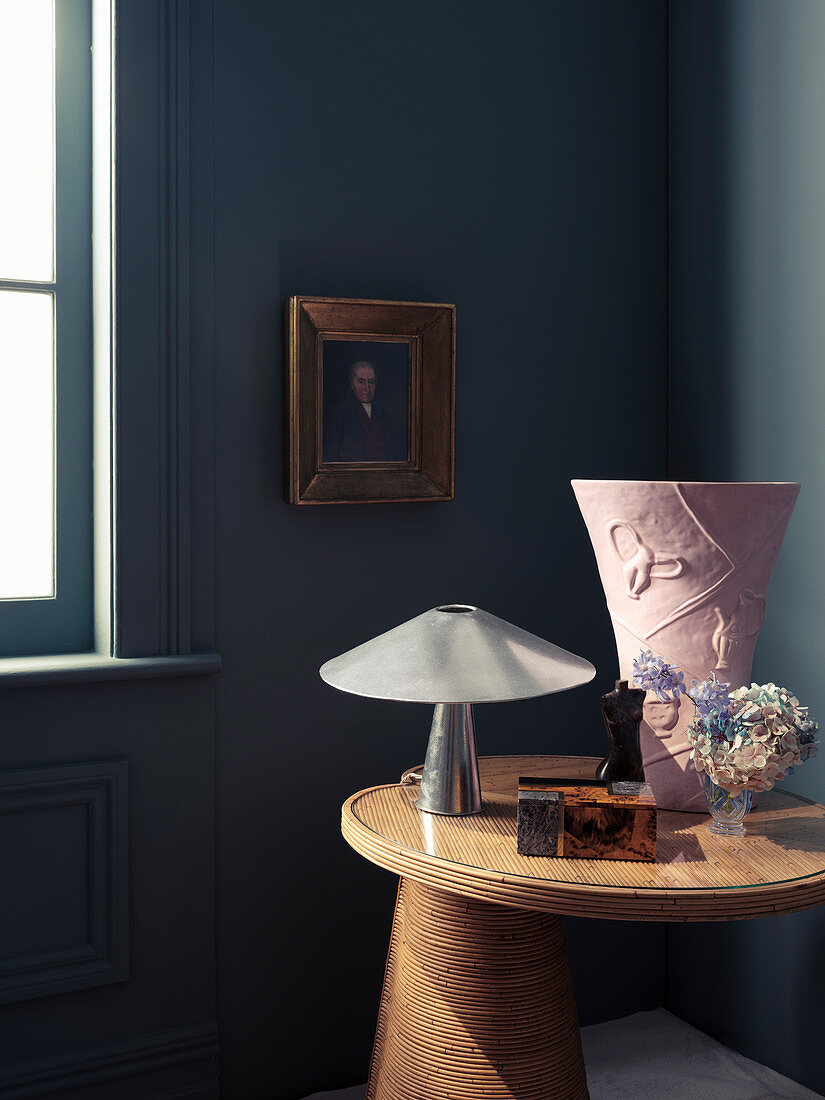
column 365, row 401
column 370, row 401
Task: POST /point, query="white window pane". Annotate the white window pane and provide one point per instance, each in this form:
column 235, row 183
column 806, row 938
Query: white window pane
column 26, row 445
column 27, row 139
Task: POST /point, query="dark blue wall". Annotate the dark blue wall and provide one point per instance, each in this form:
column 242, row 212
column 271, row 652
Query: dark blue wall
column 747, row 236
column 508, row 158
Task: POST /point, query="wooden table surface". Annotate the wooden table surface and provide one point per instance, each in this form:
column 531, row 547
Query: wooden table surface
column 778, row 867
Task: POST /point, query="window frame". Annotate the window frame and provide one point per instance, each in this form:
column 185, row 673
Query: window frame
column 153, row 437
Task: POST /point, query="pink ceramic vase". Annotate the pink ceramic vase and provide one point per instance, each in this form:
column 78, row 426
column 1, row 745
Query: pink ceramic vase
column 685, row 568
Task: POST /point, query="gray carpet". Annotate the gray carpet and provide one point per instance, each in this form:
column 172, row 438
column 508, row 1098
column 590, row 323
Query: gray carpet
column 656, row 1056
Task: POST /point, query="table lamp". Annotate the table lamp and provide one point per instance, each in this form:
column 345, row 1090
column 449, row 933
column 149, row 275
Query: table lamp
column 454, row 656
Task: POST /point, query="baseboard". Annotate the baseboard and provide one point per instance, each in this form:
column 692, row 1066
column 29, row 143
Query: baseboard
column 178, row 1064
column 196, row 1092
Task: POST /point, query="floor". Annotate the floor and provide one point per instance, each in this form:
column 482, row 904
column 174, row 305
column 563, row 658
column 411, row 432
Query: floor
column 656, row 1056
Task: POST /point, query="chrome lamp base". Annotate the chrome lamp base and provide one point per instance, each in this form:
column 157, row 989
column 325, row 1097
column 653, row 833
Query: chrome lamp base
column 449, row 782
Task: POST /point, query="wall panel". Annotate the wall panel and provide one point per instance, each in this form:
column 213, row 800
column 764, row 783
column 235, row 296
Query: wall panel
column 64, row 859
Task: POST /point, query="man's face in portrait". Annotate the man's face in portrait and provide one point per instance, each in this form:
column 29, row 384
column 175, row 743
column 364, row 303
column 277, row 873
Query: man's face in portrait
column 363, row 384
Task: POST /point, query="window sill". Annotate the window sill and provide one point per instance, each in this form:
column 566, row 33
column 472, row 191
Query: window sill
column 76, row 668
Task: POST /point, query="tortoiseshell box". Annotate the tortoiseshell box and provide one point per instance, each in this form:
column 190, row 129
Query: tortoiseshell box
column 599, row 819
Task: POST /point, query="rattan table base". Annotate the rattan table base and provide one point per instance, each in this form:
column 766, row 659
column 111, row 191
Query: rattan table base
column 477, row 1002
column 477, row 997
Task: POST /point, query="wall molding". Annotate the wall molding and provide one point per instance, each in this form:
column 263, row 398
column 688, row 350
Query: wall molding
column 162, row 495
column 113, row 1061
column 102, row 790
column 174, row 349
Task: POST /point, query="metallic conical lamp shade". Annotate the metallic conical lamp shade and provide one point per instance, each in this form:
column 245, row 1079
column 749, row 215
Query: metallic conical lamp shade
column 454, row 656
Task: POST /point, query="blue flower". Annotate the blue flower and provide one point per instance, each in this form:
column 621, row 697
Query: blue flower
column 655, row 674
column 710, row 696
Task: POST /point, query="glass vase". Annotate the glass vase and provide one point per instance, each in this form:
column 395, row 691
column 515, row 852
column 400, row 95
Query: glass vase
column 728, row 811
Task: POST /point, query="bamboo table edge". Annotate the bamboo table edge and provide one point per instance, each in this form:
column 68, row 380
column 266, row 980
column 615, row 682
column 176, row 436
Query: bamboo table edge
column 649, row 903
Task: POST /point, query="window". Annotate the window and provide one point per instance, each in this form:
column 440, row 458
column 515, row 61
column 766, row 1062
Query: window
column 45, row 327
column 127, row 427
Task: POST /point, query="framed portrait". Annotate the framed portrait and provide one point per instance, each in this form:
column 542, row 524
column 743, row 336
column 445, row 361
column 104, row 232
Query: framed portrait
column 370, row 401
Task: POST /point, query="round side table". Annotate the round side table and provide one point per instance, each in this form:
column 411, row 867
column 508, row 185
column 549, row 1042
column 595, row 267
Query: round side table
column 477, row 999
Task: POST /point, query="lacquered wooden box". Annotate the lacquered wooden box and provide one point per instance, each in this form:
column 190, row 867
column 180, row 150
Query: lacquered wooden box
column 599, row 819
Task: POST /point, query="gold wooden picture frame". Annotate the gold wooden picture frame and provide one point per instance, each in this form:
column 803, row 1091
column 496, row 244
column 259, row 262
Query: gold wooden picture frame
column 370, row 401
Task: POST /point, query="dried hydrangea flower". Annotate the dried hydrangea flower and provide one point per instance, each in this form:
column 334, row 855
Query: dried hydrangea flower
column 756, row 742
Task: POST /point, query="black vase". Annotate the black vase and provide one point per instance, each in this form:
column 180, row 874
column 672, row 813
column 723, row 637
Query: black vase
column 622, row 713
